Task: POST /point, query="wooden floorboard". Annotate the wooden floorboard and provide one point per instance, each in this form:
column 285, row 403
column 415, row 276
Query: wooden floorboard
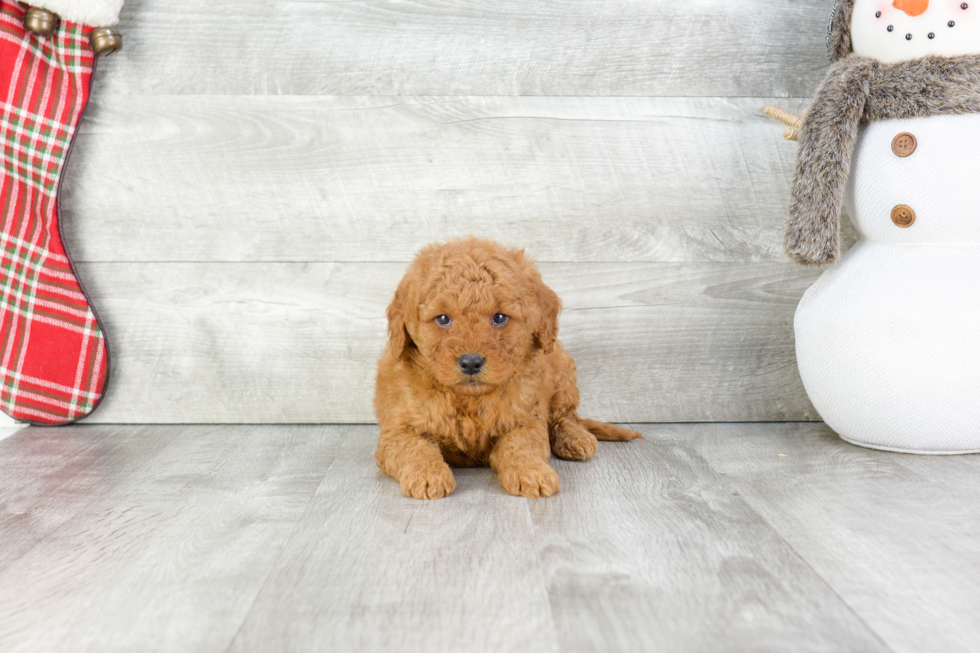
column 471, row 47
column 746, row 537
column 291, row 342
column 897, row 536
column 46, row 478
column 370, row 570
column 169, row 550
column 259, row 178
column 647, row 548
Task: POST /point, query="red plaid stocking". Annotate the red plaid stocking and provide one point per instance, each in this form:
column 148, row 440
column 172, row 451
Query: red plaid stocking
column 53, row 356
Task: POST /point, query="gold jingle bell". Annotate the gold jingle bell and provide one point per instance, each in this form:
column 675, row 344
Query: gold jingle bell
column 41, row 21
column 105, row 40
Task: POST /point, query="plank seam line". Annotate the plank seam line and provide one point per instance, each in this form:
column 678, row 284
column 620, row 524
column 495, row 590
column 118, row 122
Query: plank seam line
column 285, row 545
column 541, row 570
column 745, row 500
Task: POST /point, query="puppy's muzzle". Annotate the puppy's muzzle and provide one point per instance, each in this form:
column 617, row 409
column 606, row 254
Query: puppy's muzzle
column 471, row 364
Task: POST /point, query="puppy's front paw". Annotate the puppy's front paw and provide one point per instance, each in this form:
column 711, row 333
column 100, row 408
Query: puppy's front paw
column 433, row 482
column 572, row 442
column 531, row 482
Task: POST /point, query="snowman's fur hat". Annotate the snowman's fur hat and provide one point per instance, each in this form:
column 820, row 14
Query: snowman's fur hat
column 856, row 91
column 839, row 30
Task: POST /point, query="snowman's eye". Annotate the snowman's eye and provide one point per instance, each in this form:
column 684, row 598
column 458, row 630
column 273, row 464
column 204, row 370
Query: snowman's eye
column 964, row 6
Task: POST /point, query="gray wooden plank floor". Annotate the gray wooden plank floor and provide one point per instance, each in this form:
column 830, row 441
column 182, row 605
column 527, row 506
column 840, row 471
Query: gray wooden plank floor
column 745, row 537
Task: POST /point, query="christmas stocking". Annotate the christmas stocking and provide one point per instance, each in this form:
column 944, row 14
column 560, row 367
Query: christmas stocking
column 53, row 357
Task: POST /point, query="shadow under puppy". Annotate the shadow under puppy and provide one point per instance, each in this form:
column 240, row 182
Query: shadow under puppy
column 474, row 374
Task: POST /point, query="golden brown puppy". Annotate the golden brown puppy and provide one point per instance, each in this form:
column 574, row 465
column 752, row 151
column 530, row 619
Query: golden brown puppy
column 473, row 374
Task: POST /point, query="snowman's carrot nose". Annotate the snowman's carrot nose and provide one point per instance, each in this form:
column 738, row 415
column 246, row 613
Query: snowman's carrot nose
column 912, row 7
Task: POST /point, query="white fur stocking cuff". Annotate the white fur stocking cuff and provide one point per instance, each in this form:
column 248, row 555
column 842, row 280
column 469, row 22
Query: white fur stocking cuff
column 94, row 13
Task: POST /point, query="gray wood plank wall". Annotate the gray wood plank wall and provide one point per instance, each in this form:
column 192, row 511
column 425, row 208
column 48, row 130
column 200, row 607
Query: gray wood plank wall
column 252, row 178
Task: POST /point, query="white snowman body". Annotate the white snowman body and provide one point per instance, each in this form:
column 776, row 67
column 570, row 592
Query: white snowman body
column 888, row 338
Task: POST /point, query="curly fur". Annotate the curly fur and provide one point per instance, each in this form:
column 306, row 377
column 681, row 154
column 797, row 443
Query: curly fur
column 856, row 91
column 521, row 407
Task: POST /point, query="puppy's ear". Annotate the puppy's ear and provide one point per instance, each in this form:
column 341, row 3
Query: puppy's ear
column 549, row 306
column 401, row 340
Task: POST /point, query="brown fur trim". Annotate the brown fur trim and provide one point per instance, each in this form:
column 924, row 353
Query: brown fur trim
column 839, row 30
column 823, row 163
column 856, row 91
column 924, row 87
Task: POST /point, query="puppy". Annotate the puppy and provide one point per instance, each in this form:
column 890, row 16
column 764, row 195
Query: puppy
column 473, row 374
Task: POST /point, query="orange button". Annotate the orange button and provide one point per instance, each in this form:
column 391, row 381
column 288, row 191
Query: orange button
column 903, row 216
column 904, row 144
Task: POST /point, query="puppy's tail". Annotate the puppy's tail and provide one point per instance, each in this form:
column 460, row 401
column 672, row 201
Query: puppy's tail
column 609, row 432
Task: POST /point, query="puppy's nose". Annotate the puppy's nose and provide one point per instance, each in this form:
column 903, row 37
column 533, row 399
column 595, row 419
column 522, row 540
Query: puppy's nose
column 471, row 363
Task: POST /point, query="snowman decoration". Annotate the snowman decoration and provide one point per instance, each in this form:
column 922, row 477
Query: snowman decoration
column 888, row 338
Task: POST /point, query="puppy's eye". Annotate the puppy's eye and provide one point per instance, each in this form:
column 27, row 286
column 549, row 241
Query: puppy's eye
column 443, row 320
column 500, row 319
